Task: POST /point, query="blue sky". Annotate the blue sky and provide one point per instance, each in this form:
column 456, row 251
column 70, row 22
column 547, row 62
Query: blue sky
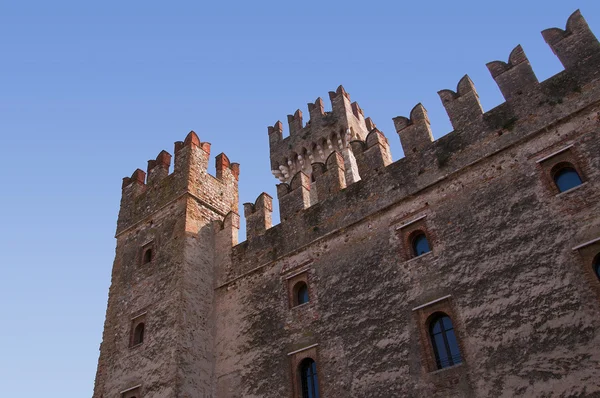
column 90, row 91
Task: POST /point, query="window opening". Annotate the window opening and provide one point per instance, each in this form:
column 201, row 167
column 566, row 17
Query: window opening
column 138, row 334
column 302, row 293
column 420, row 244
column 308, row 375
column 443, row 339
column 567, row 178
column 147, row 256
column 597, row 266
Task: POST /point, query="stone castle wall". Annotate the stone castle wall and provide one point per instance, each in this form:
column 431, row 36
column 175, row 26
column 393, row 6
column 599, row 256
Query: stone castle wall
column 510, row 260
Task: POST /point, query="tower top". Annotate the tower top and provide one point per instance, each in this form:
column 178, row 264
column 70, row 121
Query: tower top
column 145, row 193
column 323, row 134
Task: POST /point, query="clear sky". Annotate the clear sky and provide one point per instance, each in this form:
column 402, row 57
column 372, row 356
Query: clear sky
column 89, row 91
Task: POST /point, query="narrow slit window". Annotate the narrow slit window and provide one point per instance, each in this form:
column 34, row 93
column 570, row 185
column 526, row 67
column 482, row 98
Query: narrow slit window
column 597, row 266
column 138, row 334
column 443, row 340
column 297, row 289
column 147, row 256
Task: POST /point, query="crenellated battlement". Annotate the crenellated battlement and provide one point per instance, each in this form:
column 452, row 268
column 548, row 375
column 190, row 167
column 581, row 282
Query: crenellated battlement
column 313, row 142
column 574, row 46
column 339, row 158
column 295, row 196
column 258, row 215
column 516, row 77
column 144, row 193
column 414, row 131
column 462, row 106
column 330, row 177
column 373, row 154
column 316, row 191
column 370, row 251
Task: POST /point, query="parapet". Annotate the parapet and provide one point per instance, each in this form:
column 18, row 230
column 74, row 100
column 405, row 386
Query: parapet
column 144, row 193
column 330, row 177
column 227, row 230
column 415, row 132
column 515, row 78
column 225, row 167
column 226, row 236
column 294, row 197
column 158, row 169
column 372, row 155
column 574, row 46
column 258, row 215
column 463, row 106
column 530, row 108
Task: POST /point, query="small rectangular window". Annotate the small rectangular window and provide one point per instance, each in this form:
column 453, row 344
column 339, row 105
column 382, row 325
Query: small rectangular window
column 137, row 332
column 299, row 292
column 562, row 170
column 415, row 236
column 147, row 253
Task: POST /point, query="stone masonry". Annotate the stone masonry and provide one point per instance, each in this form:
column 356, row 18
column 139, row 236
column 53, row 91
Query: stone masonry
column 511, row 260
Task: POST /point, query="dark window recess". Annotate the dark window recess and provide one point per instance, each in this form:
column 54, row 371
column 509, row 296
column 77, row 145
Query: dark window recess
column 138, row 334
column 597, row 266
column 310, row 382
column 420, row 244
column 147, row 256
column 567, row 178
column 301, row 293
column 443, row 339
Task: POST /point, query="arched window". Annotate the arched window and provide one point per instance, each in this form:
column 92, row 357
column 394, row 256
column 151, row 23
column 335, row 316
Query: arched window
column 301, row 293
column 566, row 177
column 597, row 265
column 443, row 340
column 308, row 379
column 147, row 256
column 138, row 334
column 420, row 244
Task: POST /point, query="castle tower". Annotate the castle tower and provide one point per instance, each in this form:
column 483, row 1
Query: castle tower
column 460, row 270
column 159, row 331
column 323, row 134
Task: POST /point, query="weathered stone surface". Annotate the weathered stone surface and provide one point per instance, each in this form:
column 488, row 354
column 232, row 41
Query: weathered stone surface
column 524, row 303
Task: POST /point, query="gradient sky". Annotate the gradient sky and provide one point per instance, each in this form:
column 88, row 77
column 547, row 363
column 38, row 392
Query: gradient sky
column 89, row 91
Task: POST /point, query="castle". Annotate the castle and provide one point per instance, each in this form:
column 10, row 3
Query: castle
column 468, row 268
